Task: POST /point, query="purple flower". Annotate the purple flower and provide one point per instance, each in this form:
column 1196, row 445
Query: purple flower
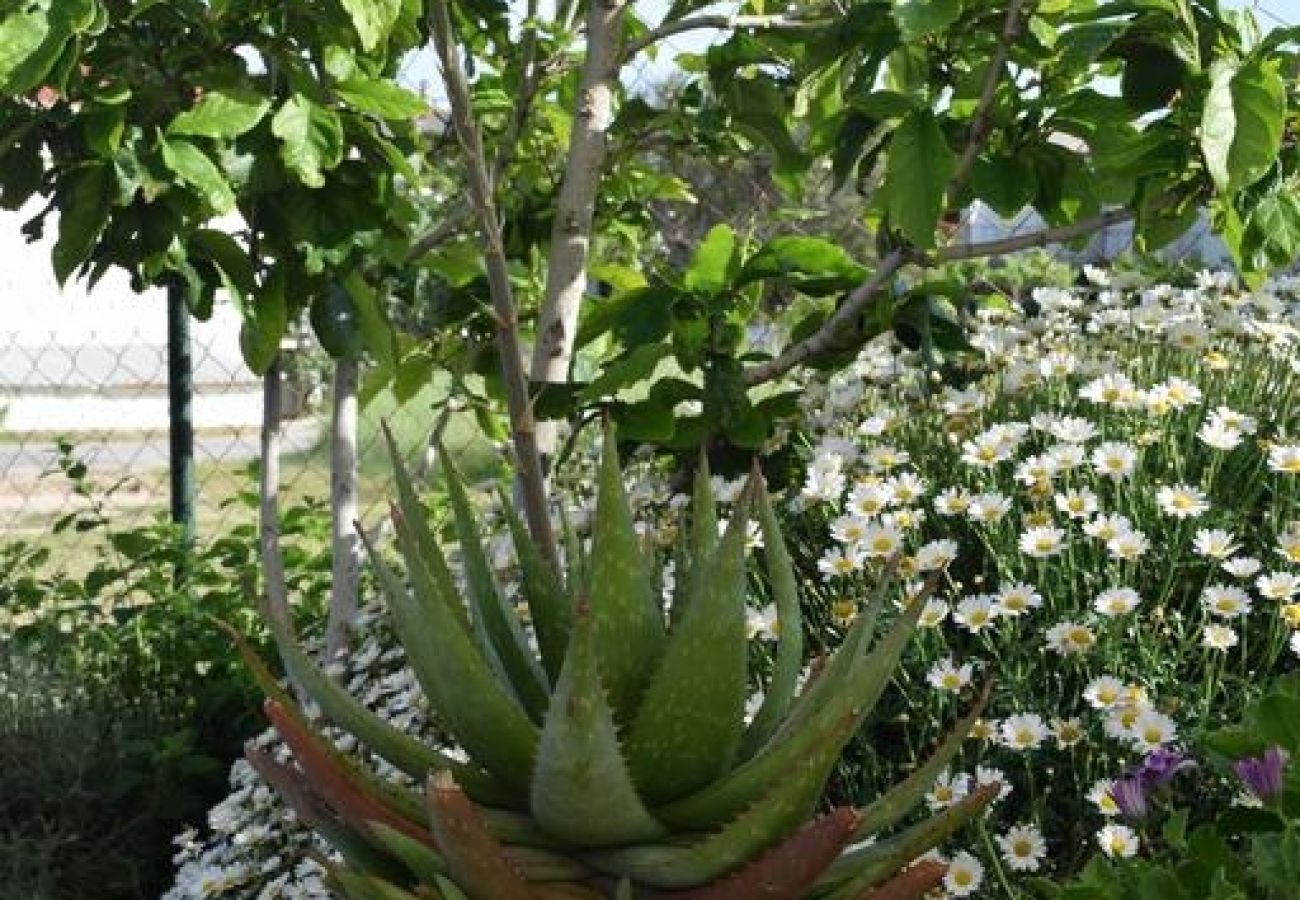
column 1161, row 765
column 1130, row 795
column 1262, row 775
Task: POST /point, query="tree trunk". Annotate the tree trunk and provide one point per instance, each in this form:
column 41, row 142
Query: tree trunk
column 344, row 512
column 277, row 596
column 570, row 250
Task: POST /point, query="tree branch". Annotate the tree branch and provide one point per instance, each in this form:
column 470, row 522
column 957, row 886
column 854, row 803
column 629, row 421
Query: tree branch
column 716, row 23
column 532, row 479
column 827, row 336
column 982, row 122
column 570, row 247
column 844, row 320
column 1060, row 235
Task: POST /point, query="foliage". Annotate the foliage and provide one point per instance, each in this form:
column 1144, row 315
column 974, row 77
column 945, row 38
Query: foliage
column 137, row 706
column 232, row 147
column 94, row 783
column 1250, row 851
column 622, row 749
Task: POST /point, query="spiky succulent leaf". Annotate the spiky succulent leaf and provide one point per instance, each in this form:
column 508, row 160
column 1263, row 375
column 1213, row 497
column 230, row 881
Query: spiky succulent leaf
column 350, row 794
column 367, row 887
column 626, row 613
column 857, row 640
column 790, row 869
column 397, row 747
column 482, row 716
column 854, row 872
column 702, row 539
column 421, row 860
column 491, row 612
column 891, row 807
column 691, row 719
column 850, row 692
column 772, row 817
column 297, row 794
column 549, row 606
column 423, row 544
column 477, row 861
column 915, row 882
column 582, row 791
column 789, row 654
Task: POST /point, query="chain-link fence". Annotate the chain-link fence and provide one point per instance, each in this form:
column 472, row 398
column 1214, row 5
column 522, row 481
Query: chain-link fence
column 84, row 423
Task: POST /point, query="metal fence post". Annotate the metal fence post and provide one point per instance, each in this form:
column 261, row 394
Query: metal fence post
column 180, row 417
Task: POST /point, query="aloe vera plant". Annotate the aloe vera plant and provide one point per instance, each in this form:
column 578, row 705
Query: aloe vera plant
column 617, row 760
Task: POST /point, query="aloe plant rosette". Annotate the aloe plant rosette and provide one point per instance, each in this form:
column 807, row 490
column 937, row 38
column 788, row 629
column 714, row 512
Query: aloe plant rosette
column 617, row 760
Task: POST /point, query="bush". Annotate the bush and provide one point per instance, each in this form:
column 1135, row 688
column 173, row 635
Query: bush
column 139, row 705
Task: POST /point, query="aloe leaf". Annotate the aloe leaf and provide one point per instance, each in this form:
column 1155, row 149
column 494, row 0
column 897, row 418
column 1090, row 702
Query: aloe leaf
column 340, row 786
column 424, row 546
column 892, row 806
column 626, row 613
column 691, row 719
column 365, row 887
column 777, row 813
column 403, row 751
column 913, row 883
column 581, row 789
column 789, row 653
column 490, row 608
column 856, row 642
column 549, row 606
column 576, row 581
column 477, row 861
column 856, row 871
column 788, row 870
column 480, row 714
column 851, row 692
column 449, row 891
column 422, row 860
column 702, row 542
column 293, row 789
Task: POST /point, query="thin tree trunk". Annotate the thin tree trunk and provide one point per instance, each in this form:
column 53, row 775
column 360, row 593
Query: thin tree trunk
column 277, row 595
column 531, row 473
column 344, row 512
column 570, row 251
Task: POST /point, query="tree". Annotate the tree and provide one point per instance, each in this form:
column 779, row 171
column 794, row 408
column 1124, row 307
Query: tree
column 1091, row 112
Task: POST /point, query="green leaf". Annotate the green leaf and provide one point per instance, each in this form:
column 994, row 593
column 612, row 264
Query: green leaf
column 312, row 138
column 918, row 18
column 266, row 316
column 221, row 114
column 372, row 19
column 780, row 692
column 381, row 98
column 380, row 338
column 460, row 684
column 194, row 168
column 691, row 719
column 83, row 213
column 916, row 176
column 817, row 266
column 625, row 611
column 1272, row 235
column 1242, row 123
column 713, row 262
column 626, row 371
column 33, row 42
column 549, row 606
column 493, row 617
column 581, row 790
column 334, row 322
column 233, row 260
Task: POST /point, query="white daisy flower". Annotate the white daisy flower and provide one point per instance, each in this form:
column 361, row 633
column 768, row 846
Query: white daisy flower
column 1023, row 848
